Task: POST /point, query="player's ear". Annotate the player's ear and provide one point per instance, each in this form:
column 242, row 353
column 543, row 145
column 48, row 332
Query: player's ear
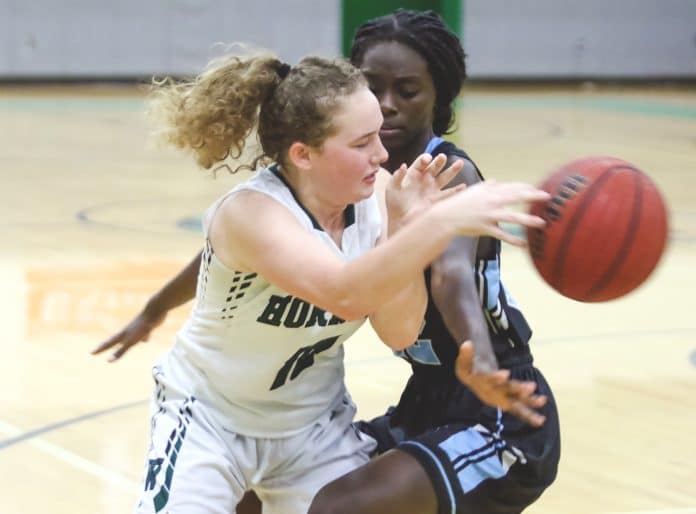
column 299, row 155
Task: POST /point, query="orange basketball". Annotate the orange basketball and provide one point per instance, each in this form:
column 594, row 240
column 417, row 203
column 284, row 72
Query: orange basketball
column 606, row 229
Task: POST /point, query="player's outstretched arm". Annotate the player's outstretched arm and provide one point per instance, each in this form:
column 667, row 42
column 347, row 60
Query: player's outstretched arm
column 455, row 294
column 177, row 291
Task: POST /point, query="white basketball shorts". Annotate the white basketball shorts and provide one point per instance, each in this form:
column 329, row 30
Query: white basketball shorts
column 195, row 466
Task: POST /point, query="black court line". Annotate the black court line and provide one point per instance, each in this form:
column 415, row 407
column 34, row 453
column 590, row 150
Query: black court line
column 71, row 421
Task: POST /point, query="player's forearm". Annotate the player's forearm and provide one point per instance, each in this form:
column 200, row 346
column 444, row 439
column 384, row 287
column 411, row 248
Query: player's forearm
column 372, row 280
column 179, row 290
column 456, row 296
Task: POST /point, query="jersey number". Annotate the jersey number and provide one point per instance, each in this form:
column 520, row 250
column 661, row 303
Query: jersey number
column 300, row 361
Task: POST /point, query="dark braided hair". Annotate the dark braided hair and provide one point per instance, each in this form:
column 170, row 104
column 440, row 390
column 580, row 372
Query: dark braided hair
column 426, row 33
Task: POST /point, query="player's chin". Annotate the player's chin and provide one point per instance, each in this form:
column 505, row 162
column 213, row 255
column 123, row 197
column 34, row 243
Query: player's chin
column 358, row 194
column 367, row 193
column 393, row 138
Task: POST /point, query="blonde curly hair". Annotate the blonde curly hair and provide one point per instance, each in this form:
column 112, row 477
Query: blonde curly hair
column 213, row 114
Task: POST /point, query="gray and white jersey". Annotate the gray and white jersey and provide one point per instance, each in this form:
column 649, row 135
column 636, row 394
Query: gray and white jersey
column 270, row 363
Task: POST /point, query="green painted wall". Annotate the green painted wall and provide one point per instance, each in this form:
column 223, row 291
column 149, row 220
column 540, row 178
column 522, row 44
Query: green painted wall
column 451, row 11
column 355, row 12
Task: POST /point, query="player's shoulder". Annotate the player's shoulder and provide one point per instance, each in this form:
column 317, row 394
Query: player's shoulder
column 451, row 150
column 470, row 173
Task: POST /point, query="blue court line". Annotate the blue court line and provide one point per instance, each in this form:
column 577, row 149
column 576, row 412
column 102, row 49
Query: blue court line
column 511, row 101
column 84, row 215
column 619, row 105
column 71, row 421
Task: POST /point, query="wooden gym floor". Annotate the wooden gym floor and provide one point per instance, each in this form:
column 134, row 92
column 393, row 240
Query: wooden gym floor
column 94, row 218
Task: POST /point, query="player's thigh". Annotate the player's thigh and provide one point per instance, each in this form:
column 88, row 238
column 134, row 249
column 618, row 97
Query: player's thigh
column 392, row 482
column 249, row 504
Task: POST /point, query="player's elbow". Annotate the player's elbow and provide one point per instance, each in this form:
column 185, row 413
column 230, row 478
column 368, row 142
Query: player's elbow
column 347, row 302
column 446, row 270
column 400, row 334
column 400, row 340
column 348, row 314
column 447, row 277
column 348, row 308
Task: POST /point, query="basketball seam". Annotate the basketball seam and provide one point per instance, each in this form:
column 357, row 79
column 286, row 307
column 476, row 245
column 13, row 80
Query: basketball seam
column 559, row 261
column 626, row 244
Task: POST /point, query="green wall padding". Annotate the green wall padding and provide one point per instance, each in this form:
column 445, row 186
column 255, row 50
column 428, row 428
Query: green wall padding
column 355, row 12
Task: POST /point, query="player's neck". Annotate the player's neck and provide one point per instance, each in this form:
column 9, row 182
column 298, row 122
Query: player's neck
column 323, row 210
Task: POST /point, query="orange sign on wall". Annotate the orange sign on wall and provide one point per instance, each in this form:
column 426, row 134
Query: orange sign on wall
column 97, row 300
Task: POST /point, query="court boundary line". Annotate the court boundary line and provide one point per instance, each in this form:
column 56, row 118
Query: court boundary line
column 31, row 434
column 76, row 461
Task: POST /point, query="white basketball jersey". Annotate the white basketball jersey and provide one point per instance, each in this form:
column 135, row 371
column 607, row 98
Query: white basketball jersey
column 269, row 362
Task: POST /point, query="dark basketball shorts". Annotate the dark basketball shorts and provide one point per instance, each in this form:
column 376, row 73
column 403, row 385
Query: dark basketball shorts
column 474, row 469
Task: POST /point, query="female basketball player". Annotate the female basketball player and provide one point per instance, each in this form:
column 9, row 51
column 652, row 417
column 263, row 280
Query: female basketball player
column 251, row 395
column 450, row 452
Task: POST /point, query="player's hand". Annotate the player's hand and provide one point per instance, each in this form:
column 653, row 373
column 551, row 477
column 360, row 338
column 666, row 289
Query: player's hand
column 495, row 388
column 479, row 210
column 413, row 189
column 139, row 329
